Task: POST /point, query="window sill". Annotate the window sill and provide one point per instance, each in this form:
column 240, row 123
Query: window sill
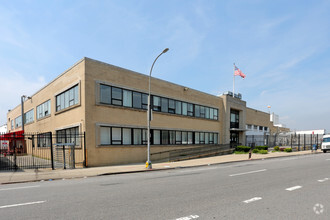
column 29, row 123
column 117, row 146
column 154, row 112
column 122, row 107
column 154, row 145
column 67, row 109
column 184, row 116
column 40, row 119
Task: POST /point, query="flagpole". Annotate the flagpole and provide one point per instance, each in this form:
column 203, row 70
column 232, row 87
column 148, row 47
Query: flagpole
column 234, row 81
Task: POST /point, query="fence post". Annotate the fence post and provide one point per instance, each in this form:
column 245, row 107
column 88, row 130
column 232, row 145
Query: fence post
column 85, row 153
column 32, row 149
column 304, row 141
column 15, row 159
column 298, row 142
column 267, row 140
column 317, row 141
column 51, row 150
column 64, row 167
column 73, row 155
column 275, row 137
column 312, row 142
column 291, row 140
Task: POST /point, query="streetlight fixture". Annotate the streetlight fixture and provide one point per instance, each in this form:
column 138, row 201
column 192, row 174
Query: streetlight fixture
column 22, row 109
column 148, row 163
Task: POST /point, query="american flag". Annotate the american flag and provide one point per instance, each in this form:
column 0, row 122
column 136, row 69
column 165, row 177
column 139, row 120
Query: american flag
column 238, row 72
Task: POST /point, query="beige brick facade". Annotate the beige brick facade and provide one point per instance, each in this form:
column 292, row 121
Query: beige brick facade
column 92, row 116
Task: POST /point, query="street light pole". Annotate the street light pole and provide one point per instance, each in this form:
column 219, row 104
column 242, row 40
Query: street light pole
column 148, row 163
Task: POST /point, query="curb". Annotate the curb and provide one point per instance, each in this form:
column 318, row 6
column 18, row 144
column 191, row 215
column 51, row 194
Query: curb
column 201, row 165
column 156, row 169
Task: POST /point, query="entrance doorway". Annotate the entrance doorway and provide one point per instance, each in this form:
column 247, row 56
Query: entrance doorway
column 234, row 139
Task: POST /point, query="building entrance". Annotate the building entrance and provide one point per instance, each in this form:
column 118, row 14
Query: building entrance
column 234, row 139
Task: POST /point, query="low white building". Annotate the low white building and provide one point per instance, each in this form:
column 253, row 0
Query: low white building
column 315, row 132
column 3, row 129
column 256, row 130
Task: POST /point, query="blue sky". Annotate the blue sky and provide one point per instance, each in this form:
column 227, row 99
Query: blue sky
column 281, row 46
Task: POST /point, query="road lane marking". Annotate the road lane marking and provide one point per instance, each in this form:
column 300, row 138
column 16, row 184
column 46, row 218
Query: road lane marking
column 188, row 217
column 24, row 187
column 21, row 204
column 252, row 200
column 325, row 179
column 293, row 188
column 327, row 159
column 256, row 171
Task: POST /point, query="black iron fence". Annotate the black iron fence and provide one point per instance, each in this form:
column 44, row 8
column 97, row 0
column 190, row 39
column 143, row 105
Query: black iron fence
column 19, row 151
column 295, row 141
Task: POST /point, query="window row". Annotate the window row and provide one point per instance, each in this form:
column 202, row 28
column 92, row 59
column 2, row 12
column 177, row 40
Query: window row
column 64, row 100
column 68, row 98
column 18, row 121
column 137, row 136
column 29, row 116
column 68, row 135
column 234, row 118
column 166, row 105
column 44, row 139
column 43, row 110
column 116, row 96
column 65, row 136
column 256, row 128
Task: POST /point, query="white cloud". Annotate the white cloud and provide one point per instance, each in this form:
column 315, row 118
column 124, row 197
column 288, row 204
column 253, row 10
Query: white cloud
column 185, row 36
column 270, row 25
column 10, row 29
column 13, row 86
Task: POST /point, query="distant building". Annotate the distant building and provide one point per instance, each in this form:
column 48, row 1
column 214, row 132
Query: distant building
column 315, row 132
column 3, row 129
column 109, row 104
column 275, row 118
column 260, row 128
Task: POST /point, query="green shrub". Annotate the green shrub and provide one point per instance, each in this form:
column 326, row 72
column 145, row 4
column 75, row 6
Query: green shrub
column 240, row 152
column 276, row 148
column 255, row 151
column 243, row 148
column 263, row 151
column 282, row 148
column 261, row 147
column 288, row 150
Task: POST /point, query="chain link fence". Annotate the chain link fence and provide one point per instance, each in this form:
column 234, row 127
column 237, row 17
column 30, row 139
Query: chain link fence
column 292, row 140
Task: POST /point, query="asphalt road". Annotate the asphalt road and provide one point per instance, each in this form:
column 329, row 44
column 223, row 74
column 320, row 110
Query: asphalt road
column 282, row 188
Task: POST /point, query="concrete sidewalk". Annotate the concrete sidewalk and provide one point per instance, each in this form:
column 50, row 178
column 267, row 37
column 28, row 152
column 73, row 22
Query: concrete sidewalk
column 48, row 174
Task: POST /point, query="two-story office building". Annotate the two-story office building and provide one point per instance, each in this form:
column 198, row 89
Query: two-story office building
column 109, row 103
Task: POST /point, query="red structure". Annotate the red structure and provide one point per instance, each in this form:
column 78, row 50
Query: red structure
column 16, row 142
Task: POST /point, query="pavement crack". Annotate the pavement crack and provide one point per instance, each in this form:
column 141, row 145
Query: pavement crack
column 178, row 175
column 110, row 184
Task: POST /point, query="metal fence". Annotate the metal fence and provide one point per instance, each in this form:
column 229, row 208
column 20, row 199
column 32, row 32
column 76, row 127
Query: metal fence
column 297, row 141
column 19, row 151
